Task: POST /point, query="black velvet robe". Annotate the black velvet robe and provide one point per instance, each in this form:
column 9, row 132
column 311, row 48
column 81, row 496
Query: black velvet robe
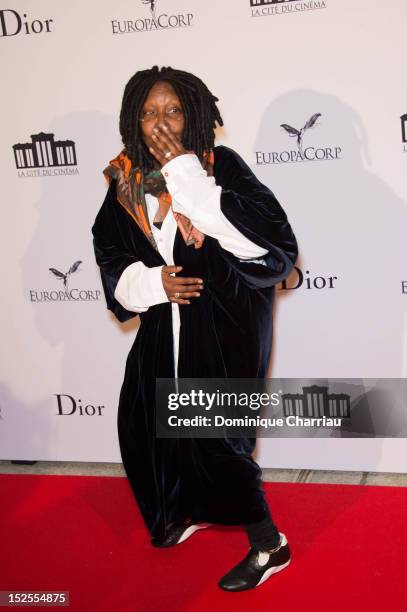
column 226, row 332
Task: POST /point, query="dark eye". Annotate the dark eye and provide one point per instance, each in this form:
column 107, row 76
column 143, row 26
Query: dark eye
column 147, row 115
column 174, row 110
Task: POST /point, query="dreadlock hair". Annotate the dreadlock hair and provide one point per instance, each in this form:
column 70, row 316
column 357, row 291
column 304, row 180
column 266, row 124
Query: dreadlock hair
column 198, row 105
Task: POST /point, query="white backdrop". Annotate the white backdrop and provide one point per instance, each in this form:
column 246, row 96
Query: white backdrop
column 64, row 66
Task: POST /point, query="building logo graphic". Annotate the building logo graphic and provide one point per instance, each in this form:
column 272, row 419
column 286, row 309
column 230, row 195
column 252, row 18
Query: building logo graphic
column 403, row 119
column 315, row 401
column 299, row 154
column 65, row 294
column 155, row 20
column 45, row 156
column 267, row 8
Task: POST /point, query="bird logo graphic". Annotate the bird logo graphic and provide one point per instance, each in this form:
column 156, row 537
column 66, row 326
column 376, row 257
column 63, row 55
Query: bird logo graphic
column 66, row 276
column 294, row 133
column 153, row 6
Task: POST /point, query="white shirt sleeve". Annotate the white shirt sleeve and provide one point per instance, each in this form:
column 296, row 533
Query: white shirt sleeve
column 140, row 287
column 196, row 195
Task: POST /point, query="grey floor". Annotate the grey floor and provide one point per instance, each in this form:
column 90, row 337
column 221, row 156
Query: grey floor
column 269, row 475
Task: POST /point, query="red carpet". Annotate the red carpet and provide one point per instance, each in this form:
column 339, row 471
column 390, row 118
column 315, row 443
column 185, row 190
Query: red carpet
column 85, row 535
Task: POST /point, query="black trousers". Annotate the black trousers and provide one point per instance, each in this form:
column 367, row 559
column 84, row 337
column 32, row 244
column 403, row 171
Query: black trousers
column 263, row 535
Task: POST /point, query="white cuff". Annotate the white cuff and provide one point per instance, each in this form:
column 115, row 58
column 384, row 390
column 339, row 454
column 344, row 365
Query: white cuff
column 196, row 195
column 184, row 166
column 140, row 287
column 257, row 260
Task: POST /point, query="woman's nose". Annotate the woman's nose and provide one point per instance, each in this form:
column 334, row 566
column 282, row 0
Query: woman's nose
column 162, row 119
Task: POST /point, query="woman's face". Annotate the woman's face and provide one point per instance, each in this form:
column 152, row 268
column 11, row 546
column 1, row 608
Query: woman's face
column 162, row 105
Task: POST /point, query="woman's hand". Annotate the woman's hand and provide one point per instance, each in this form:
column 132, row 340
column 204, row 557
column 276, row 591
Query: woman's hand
column 166, row 144
column 184, row 287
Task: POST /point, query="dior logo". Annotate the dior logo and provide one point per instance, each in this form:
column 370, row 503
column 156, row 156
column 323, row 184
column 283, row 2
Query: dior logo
column 68, row 405
column 12, row 23
column 309, row 282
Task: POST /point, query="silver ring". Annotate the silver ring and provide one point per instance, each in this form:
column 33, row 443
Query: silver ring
column 176, row 295
column 168, row 155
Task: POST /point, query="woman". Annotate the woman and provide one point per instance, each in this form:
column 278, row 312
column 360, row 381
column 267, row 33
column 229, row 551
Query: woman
column 188, row 239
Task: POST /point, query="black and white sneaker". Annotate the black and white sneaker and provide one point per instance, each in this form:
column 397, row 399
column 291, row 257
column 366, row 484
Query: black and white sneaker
column 178, row 534
column 257, row 567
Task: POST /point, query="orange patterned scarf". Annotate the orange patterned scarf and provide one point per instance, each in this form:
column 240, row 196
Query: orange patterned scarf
column 133, row 184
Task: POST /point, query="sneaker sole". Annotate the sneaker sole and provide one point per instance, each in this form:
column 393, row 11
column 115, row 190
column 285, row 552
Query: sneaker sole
column 188, row 532
column 271, row 571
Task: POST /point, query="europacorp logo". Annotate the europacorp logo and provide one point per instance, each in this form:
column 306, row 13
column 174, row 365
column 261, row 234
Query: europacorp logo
column 152, row 18
column 301, row 152
column 65, row 293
